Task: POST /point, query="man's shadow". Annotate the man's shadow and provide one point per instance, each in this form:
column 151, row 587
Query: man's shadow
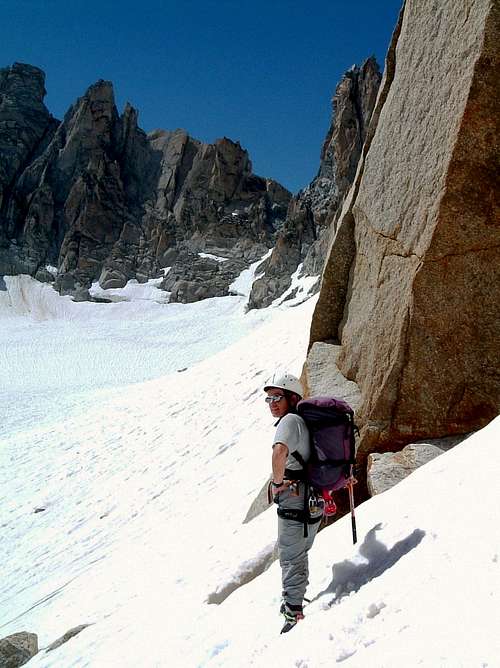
column 350, row 577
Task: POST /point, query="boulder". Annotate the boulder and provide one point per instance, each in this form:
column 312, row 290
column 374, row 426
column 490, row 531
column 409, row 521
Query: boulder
column 112, row 278
column 384, row 470
column 412, row 282
column 387, row 469
column 17, row 649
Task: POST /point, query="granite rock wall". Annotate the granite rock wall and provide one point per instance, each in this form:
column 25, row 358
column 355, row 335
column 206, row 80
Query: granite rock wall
column 411, row 286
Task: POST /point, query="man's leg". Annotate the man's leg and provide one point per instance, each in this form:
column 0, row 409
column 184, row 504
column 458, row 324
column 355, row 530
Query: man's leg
column 293, row 549
column 312, row 531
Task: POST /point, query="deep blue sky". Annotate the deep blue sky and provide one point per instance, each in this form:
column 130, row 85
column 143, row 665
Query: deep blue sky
column 260, row 72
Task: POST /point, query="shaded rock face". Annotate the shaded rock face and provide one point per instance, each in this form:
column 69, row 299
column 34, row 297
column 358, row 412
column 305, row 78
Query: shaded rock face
column 25, row 129
column 96, row 197
column 311, row 213
column 17, row 649
column 387, row 469
column 412, row 281
column 24, row 120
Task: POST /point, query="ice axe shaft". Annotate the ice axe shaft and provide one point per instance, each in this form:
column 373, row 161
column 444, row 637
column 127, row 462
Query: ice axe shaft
column 350, row 486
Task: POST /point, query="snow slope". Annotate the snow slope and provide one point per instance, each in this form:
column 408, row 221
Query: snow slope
column 141, row 489
column 55, row 354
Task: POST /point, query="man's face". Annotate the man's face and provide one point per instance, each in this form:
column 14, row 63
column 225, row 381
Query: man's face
column 278, row 408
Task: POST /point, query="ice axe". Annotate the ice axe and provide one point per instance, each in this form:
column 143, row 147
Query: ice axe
column 350, row 484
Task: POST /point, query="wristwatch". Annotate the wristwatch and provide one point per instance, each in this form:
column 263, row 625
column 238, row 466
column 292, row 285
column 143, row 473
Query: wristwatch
column 277, row 484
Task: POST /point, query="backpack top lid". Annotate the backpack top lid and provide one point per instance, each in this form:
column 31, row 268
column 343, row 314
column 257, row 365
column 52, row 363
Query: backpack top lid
column 324, row 402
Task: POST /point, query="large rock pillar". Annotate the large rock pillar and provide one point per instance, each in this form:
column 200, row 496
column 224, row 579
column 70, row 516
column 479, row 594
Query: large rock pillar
column 418, row 315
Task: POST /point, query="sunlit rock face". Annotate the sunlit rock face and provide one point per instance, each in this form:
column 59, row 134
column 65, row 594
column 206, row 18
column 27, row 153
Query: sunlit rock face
column 99, row 199
column 411, row 286
column 311, row 213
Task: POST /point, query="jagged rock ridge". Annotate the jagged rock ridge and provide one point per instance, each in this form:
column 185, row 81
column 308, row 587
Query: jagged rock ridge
column 101, row 200
column 311, row 213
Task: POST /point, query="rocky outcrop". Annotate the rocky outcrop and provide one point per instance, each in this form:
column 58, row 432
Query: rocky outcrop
column 225, row 211
column 198, row 276
column 99, row 199
column 387, row 469
column 67, row 636
column 384, row 470
column 24, row 120
column 312, row 212
column 17, row 649
column 25, row 128
column 411, row 285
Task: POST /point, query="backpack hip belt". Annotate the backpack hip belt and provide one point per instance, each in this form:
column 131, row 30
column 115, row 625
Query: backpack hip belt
column 296, row 515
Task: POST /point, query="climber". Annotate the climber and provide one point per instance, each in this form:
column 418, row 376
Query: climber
column 297, row 524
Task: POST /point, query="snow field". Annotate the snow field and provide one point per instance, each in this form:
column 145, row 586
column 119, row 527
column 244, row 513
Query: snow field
column 243, row 284
column 145, row 486
column 134, row 291
column 420, row 589
column 55, row 354
column 126, row 472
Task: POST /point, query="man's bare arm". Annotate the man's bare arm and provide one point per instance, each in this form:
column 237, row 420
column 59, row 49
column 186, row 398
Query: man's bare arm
column 280, row 455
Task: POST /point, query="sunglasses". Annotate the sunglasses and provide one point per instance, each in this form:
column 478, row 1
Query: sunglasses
column 274, row 398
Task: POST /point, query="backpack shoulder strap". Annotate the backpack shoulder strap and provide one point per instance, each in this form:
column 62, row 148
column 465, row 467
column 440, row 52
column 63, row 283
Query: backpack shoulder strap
column 297, row 456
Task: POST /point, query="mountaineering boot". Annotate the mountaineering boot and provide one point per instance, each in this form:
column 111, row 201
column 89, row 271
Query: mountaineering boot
column 292, row 615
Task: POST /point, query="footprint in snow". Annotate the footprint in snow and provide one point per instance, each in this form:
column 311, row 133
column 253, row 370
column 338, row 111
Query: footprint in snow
column 374, row 609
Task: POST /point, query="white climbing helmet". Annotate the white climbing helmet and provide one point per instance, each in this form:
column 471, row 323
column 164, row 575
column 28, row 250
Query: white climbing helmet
column 285, row 381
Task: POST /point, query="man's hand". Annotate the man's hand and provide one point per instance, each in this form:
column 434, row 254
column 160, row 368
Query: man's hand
column 281, row 488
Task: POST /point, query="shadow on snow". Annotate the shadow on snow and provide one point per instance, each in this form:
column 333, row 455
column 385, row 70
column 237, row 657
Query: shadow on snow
column 350, row 577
